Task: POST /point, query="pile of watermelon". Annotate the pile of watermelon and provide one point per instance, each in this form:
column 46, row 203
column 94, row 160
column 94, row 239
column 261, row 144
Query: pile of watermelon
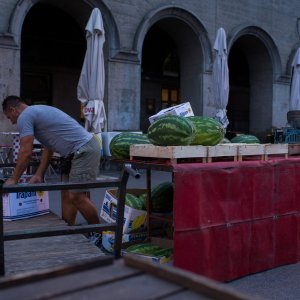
column 150, row 249
column 245, row 138
column 120, row 144
column 182, row 131
column 161, row 198
column 208, row 131
column 171, row 131
column 136, row 202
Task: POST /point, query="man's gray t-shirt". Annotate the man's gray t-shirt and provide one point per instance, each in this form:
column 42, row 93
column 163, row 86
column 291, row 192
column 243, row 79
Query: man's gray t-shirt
column 53, row 128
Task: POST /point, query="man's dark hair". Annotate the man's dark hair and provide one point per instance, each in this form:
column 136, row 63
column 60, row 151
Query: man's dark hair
column 11, row 101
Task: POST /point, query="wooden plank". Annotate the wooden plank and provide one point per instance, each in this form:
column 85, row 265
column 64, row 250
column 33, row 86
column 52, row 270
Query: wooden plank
column 45, row 221
column 171, row 152
column 41, row 253
column 29, row 277
column 250, row 150
column 276, row 149
column 196, row 283
column 69, row 283
column 293, row 149
column 125, row 279
column 186, row 294
column 235, row 150
column 222, row 150
column 139, row 287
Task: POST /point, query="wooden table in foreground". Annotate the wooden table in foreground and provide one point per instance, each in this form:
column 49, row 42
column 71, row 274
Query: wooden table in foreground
column 45, row 252
column 105, row 182
column 128, row 278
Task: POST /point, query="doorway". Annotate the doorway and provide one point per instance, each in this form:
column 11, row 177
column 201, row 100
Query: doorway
column 52, row 52
column 160, row 87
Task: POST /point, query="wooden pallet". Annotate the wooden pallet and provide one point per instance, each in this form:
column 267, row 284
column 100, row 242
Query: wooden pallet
column 222, row 150
column 120, row 279
column 276, row 149
column 173, row 153
column 251, row 150
column 26, row 255
column 294, row 149
column 208, row 153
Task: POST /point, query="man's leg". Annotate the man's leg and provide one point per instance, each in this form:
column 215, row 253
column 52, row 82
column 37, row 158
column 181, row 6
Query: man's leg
column 69, row 210
column 85, row 167
column 86, row 207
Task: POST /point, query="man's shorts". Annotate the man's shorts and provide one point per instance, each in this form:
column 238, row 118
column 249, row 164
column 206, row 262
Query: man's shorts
column 86, row 162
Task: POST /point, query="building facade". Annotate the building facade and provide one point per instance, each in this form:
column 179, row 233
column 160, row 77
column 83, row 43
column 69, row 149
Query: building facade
column 157, row 53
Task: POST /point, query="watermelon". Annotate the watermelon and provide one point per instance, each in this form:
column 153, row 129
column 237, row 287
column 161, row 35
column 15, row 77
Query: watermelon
column 120, row 144
column 133, row 201
column 245, row 138
column 143, row 199
column 209, row 132
column 150, row 250
column 162, row 197
column 143, row 248
column 171, row 131
column 162, row 252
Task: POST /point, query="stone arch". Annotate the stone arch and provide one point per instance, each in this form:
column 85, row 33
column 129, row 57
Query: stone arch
column 193, row 48
column 180, row 14
column 264, row 69
column 80, row 13
column 265, row 39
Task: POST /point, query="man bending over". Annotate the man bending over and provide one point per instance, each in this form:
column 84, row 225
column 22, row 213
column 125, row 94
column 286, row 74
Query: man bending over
column 60, row 133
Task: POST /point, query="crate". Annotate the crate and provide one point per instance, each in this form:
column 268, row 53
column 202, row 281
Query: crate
column 222, row 150
column 172, row 153
column 293, row 149
column 276, row 149
column 251, row 150
column 236, row 151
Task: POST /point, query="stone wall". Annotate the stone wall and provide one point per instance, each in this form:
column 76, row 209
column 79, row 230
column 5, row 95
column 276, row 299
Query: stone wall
column 269, row 28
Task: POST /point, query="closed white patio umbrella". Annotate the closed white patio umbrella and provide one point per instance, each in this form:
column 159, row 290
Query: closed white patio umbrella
column 90, row 89
column 221, row 78
column 295, row 86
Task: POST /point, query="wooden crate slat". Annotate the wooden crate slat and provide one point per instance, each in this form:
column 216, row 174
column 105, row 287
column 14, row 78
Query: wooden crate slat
column 276, row 148
column 222, row 150
column 145, row 150
column 293, row 149
column 235, row 150
column 251, row 149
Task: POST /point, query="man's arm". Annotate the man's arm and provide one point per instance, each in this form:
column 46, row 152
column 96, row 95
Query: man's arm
column 24, row 157
column 44, row 163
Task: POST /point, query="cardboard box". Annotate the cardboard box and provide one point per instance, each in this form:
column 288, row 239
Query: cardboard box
column 163, row 243
column 134, row 219
column 108, row 239
column 23, row 205
column 184, row 110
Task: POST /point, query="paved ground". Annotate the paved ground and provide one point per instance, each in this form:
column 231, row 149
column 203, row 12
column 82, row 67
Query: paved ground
column 282, row 283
